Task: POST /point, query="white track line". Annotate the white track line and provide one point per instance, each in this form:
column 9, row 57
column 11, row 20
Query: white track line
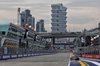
column 90, row 59
column 96, row 63
column 69, row 61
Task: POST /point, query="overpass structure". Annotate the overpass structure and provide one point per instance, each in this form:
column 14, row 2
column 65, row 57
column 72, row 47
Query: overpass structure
column 85, row 34
column 54, row 35
column 59, row 34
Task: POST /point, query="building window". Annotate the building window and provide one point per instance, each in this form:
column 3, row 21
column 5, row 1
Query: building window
column 57, row 29
column 57, row 20
column 22, row 20
column 23, row 25
column 57, row 11
column 57, row 24
column 14, row 30
column 3, row 32
column 29, row 24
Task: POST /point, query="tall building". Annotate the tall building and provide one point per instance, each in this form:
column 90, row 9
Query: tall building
column 58, row 18
column 40, row 26
column 31, row 21
column 26, row 18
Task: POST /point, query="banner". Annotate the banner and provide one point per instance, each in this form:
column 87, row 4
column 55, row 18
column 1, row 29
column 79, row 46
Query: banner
column 91, row 56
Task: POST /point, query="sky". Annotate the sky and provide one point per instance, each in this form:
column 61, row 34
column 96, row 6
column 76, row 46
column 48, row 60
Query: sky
column 81, row 14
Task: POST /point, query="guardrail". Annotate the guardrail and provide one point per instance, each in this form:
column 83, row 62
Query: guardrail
column 88, row 52
column 12, row 56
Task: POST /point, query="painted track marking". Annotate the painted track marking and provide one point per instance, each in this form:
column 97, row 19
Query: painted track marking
column 82, row 64
column 96, row 63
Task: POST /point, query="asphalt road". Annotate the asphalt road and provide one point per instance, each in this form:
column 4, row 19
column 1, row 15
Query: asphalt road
column 85, row 62
column 59, row 59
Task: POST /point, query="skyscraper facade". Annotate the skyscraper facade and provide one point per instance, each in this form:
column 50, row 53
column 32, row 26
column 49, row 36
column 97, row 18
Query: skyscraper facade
column 58, row 18
column 26, row 18
column 40, row 26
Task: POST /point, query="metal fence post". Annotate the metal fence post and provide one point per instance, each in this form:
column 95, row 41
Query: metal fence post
column 99, row 37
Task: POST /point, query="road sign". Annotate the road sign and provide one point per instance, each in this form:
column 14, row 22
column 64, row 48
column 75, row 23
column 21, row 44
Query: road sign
column 51, row 45
column 61, row 47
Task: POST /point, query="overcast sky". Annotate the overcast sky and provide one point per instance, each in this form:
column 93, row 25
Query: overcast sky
column 80, row 13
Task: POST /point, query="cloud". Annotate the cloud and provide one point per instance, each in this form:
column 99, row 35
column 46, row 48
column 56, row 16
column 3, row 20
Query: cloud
column 84, row 3
column 48, row 1
column 48, row 27
column 83, row 15
column 7, row 16
column 12, row 1
column 84, row 12
column 76, row 20
column 80, row 12
column 80, row 27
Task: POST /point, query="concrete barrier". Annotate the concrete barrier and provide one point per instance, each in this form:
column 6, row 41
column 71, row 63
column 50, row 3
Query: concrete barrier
column 13, row 56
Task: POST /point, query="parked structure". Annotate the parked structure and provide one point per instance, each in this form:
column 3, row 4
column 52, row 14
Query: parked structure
column 18, row 40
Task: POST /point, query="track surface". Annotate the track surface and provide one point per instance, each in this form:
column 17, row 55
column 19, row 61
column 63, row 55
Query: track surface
column 85, row 62
column 59, row 59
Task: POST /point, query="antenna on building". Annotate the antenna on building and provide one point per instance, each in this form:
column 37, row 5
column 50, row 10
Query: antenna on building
column 18, row 21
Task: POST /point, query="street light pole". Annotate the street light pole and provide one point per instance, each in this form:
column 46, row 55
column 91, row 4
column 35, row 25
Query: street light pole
column 18, row 16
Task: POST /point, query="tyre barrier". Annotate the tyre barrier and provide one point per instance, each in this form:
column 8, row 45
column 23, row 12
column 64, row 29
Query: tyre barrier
column 13, row 56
